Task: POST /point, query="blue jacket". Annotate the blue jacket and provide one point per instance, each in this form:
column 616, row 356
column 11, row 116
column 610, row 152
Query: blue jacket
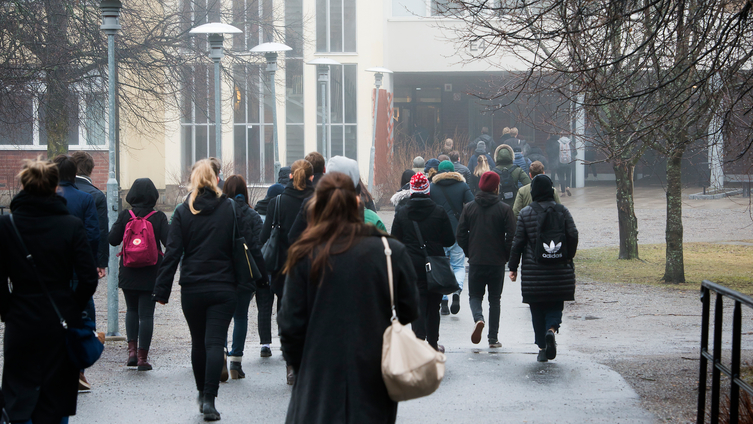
column 522, row 162
column 81, row 205
column 100, row 201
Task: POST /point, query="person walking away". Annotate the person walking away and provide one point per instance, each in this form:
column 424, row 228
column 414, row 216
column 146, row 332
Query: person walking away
column 459, row 167
column 485, row 137
column 437, row 233
column 137, row 282
column 217, row 168
column 552, row 147
column 272, row 192
column 40, row 383
column 481, row 167
column 449, row 190
column 235, row 188
column 338, row 377
column 565, row 157
column 485, row 233
column 289, row 203
column 366, row 198
column 521, row 161
column 317, row 162
column 511, row 177
column 537, row 155
column 502, row 140
column 480, row 151
column 447, row 146
column 84, row 167
column 548, row 274
column 514, row 142
column 201, row 233
column 82, row 206
column 400, row 198
column 523, row 198
column 418, row 164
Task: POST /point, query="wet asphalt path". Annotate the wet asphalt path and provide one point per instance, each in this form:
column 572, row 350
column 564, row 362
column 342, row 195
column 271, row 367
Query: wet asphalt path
column 481, row 385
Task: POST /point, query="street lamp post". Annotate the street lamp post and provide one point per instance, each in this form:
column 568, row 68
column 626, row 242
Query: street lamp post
column 215, row 31
column 111, row 25
column 270, row 51
column 322, row 68
column 378, row 73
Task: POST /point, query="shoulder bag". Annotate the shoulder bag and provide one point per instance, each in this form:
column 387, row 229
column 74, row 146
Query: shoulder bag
column 411, row 368
column 271, row 249
column 439, row 275
column 84, row 348
column 246, row 271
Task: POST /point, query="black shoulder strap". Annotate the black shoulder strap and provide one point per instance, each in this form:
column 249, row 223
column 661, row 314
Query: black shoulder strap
column 276, row 219
column 236, row 232
column 420, row 239
column 36, row 272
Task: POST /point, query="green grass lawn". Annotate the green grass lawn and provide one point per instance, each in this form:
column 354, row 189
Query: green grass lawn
column 728, row 265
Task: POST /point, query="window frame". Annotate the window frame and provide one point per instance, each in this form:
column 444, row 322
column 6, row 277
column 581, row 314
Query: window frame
column 328, row 28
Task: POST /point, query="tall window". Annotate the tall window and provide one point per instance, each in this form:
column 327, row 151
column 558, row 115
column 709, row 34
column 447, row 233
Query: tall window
column 294, row 81
column 335, row 26
column 197, row 115
column 342, row 123
column 252, row 129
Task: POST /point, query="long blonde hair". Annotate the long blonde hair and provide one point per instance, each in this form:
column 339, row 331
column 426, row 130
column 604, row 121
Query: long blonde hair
column 482, row 166
column 302, row 170
column 202, row 177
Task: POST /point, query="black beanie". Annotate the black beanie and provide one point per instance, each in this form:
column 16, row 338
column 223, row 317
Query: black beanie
column 541, row 188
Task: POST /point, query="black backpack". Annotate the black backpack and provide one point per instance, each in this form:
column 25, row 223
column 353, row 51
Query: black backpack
column 508, row 187
column 551, row 242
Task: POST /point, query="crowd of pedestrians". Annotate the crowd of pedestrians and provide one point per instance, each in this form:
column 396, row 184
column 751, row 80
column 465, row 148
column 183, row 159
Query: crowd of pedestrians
column 313, row 243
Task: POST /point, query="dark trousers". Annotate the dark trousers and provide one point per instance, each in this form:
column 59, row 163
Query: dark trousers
column 426, row 326
column 139, row 316
column 479, row 278
column 264, row 301
column 563, row 175
column 208, row 316
column 545, row 315
column 240, row 322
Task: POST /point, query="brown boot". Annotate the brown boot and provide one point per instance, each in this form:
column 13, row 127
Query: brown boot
column 132, row 359
column 142, row 364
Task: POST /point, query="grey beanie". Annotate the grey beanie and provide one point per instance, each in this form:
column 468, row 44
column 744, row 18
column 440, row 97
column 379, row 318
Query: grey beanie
column 345, row 165
column 419, row 162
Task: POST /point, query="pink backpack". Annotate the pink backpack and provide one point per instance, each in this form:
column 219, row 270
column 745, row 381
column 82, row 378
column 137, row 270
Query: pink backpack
column 139, row 244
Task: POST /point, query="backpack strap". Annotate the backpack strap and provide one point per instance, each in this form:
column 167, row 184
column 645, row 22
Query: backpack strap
column 133, row 216
column 454, row 211
column 149, row 214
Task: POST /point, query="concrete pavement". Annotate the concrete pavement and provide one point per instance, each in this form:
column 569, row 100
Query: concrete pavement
column 482, row 385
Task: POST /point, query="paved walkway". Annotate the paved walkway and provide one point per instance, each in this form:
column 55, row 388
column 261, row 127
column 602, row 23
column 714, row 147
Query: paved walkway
column 481, row 385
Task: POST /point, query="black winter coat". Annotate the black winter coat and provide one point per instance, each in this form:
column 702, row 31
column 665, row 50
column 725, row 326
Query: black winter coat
column 450, row 191
column 331, row 333
column 37, row 373
column 142, row 197
column 205, row 242
column 435, row 227
column 100, row 202
column 542, row 283
column 486, row 230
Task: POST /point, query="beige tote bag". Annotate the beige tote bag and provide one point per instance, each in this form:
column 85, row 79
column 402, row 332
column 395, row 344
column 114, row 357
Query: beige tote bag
column 411, row 368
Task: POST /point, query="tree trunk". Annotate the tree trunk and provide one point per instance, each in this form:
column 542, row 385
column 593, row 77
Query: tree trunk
column 674, row 272
column 57, row 100
column 56, row 121
column 627, row 221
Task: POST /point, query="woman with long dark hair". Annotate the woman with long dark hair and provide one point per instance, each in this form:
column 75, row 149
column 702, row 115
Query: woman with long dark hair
column 336, row 307
column 250, row 222
column 40, row 383
column 201, row 233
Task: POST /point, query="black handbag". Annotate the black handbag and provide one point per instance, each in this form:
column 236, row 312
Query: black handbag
column 246, row 271
column 439, row 275
column 271, row 249
column 84, row 348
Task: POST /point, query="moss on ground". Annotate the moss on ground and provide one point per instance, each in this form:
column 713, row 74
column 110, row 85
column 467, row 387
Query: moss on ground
column 726, row 264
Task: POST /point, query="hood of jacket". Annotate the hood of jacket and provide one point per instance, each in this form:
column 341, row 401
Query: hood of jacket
column 143, row 194
column 486, row 199
column 419, row 207
column 399, row 197
column 308, row 191
column 503, row 155
column 447, row 178
column 518, row 156
column 28, row 204
column 481, row 150
column 207, row 201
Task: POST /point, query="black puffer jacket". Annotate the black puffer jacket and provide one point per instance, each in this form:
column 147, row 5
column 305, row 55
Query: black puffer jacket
column 542, row 283
column 435, row 226
column 486, row 230
column 205, row 241
column 450, row 191
column 142, row 197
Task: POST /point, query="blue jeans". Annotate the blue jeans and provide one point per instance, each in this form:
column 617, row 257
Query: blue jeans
column 457, row 262
column 240, row 322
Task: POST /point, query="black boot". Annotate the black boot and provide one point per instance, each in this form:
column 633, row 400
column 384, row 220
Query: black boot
column 200, row 401
column 210, row 412
column 235, row 369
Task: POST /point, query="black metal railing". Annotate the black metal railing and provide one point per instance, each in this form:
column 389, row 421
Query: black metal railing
column 733, row 372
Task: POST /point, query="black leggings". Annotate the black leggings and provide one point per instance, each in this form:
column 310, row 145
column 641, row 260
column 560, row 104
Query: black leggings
column 264, row 301
column 208, row 316
column 139, row 316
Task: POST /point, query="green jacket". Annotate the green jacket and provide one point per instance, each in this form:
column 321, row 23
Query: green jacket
column 371, row 217
column 523, row 199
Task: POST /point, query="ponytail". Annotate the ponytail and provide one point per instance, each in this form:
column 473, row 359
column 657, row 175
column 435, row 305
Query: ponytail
column 302, row 170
